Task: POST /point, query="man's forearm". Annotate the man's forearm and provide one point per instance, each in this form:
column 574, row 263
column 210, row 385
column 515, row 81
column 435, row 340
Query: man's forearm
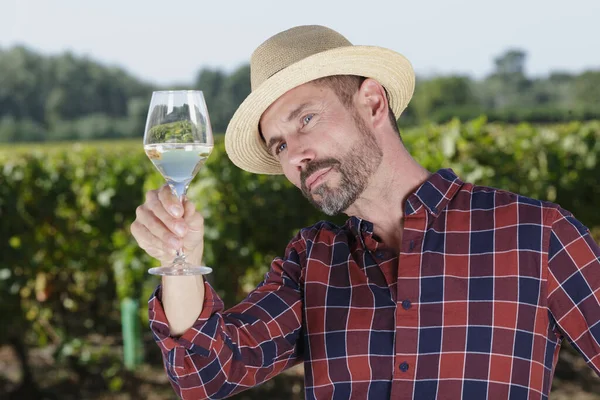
column 183, row 299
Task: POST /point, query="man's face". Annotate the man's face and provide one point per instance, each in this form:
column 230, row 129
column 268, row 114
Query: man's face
column 324, row 148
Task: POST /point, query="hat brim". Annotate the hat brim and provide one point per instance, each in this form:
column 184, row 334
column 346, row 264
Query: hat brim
column 243, row 143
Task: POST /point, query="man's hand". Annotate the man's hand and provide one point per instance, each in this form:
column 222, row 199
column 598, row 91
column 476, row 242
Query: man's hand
column 162, row 226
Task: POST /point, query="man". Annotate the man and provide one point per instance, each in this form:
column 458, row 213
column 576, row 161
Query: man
column 434, row 288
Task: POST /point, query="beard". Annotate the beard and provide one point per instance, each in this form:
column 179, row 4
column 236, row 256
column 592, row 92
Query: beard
column 355, row 168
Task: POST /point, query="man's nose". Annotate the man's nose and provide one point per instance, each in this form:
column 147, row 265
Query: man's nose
column 299, row 153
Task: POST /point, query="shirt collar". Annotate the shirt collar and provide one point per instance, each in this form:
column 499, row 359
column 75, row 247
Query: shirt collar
column 434, row 194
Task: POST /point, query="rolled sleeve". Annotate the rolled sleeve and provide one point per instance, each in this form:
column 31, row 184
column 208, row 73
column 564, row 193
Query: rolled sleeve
column 198, row 339
column 225, row 352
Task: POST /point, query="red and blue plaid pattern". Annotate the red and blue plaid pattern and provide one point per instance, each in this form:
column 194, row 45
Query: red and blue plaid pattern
column 486, row 286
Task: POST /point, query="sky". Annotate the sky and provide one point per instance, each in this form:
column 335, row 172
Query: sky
column 168, row 42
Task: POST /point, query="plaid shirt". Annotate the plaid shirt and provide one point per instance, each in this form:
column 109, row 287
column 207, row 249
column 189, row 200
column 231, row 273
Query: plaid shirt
column 486, row 285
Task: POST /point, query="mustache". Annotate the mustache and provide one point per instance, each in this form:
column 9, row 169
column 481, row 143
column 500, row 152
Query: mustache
column 314, row 166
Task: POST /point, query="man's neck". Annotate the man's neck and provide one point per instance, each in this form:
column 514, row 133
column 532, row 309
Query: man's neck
column 382, row 203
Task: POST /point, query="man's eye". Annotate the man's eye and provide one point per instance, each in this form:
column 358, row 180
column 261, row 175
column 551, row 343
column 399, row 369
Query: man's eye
column 307, row 119
column 280, row 148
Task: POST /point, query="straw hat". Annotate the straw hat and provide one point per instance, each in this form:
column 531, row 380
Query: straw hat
column 297, row 56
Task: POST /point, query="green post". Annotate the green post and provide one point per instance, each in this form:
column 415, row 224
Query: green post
column 130, row 323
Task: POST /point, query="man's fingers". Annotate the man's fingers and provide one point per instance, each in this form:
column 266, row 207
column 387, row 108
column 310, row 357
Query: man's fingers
column 160, row 254
column 150, row 232
column 170, row 202
column 148, row 218
column 152, row 245
column 160, row 233
column 143, row 236
column 151, row 195
column 189, row 207
column 156, row 206
column 193, row 219
column 195, row 222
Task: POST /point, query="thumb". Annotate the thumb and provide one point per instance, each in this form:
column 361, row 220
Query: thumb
column 192, row 218
column 193, row 241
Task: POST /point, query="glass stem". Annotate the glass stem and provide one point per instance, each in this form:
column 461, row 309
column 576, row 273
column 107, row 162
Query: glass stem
column 179, row 254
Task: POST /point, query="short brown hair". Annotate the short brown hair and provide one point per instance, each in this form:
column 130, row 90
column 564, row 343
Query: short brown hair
column 344, row 86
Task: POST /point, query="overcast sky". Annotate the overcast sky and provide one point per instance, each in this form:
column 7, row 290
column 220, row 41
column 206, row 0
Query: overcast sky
column 169, row 41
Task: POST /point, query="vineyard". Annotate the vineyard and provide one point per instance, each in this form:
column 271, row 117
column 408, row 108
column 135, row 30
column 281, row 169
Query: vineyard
column 69, row 265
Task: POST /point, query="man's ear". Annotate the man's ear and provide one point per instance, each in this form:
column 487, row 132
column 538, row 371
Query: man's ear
column 373, row 101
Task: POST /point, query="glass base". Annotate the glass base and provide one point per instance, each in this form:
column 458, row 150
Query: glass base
column 180, row 269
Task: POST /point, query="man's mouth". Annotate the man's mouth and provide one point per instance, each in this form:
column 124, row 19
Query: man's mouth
column 316, row 178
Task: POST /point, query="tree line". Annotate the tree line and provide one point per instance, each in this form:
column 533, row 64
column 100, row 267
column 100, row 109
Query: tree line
column 66, row 97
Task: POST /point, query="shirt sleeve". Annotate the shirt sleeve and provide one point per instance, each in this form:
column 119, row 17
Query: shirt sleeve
column 574, row 285
column 226, row 352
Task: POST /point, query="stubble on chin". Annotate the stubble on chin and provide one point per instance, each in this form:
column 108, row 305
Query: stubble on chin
column 354, row 169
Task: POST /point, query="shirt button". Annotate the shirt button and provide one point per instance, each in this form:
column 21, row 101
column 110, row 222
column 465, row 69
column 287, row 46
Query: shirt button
column 404, row 366
column 411, row 245
column 379, row 254
column 406, row 304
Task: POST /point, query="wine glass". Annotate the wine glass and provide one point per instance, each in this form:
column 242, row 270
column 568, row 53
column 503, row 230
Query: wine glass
column 178, row 139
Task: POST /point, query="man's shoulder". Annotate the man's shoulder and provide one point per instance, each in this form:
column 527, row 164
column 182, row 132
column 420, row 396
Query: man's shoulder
column 507, row 205
column 510, row 208
column 488, row 197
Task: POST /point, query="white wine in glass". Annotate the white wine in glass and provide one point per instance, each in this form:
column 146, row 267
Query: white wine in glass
column 178, row 139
